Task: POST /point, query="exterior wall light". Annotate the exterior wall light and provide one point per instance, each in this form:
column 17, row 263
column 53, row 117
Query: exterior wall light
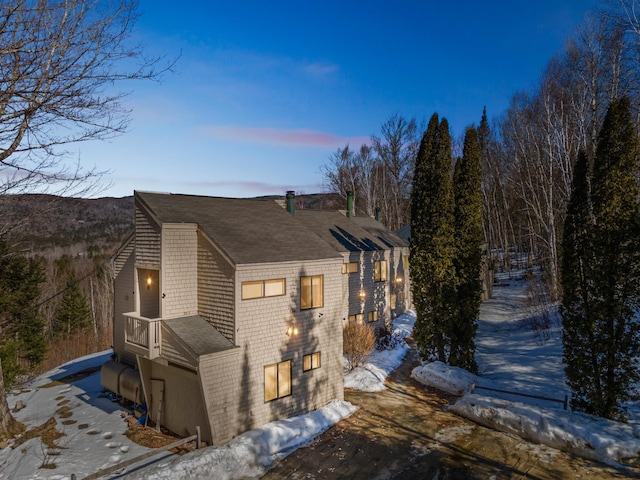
column 149, row 282
column 362, row 294
column 292, row 331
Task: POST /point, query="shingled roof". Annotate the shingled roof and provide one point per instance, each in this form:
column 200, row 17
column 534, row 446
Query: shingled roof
column 343, row 233
column 380, row 233
column 247, row 231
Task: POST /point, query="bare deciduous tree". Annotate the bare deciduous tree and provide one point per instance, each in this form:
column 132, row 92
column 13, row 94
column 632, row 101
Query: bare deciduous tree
column 59, row 61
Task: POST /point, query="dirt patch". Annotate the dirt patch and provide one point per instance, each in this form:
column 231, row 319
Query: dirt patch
column 47, row 432
column 405, row 432
column 148, row 437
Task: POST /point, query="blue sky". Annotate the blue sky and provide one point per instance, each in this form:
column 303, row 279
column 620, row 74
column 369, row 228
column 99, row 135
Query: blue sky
column 265, row 92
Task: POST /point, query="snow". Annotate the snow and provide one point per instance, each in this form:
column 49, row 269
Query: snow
column 96, row 440
column 512, row 355
column 370, row 376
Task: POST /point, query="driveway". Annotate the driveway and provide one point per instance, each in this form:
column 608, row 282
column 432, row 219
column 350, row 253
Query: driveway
column 405, row 433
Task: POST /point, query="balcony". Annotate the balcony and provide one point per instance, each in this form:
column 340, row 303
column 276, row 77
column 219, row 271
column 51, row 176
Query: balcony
column 142, row 336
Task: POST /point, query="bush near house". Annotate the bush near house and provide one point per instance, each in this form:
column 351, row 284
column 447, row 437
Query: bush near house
column 359, row 341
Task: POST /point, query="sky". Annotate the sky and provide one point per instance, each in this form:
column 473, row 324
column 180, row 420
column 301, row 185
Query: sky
column 264, row 92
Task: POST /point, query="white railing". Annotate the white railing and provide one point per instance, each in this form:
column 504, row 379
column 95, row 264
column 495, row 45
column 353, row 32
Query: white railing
column 142, row 335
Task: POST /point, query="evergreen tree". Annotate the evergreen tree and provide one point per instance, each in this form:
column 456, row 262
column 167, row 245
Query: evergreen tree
column 601, row 272
column 578, row 335
column 23, row 336
column 73, row 312
column 468, row 257
column 432, row 247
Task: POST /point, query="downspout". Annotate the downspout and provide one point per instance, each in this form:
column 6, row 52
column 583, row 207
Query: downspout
column 349, row 204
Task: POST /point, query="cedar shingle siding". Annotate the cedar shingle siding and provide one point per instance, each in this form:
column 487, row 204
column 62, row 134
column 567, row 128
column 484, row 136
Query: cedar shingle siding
column 216, row 294
column 190, row 256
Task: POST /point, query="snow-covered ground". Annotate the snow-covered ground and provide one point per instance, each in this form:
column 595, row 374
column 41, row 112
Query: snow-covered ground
column 510, row 355
column 514, row 356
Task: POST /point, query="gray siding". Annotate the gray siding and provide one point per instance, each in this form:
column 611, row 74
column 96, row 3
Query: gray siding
column 147, row 241
column 124, row 300
column 179, row 270
column 262, row 325
column 216, row 292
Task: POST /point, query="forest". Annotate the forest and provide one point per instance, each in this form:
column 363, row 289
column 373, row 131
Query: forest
column 528, row 152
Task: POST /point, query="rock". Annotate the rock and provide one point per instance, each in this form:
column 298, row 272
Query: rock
column 19, row 406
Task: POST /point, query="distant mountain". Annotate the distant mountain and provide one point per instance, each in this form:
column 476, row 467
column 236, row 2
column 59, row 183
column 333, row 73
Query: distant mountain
column 41, row 224
column 52, row 226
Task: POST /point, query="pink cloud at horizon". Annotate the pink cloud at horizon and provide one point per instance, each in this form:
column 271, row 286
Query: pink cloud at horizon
column 274, row 136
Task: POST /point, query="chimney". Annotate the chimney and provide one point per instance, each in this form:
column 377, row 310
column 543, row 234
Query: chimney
column 291, row 195
column 349, row 204
column 378, row 214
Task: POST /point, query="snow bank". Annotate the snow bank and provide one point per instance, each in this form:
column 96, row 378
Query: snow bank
column 450, row 379
column 370, row 376
column 252, row 453
column 578, row 433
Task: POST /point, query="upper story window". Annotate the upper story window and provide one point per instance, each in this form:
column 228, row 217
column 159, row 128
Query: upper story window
column 311, row 292
column 372, row 316
column 380, row 271
column 263, row 288
column 351, row 267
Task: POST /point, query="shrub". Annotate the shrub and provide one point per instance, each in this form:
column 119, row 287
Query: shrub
column 385, row 339
column 359, row 341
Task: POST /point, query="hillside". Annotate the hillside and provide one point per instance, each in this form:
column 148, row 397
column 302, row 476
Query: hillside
column 51, row 226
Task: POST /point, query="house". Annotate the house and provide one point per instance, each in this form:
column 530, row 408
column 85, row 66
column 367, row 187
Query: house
column 375, row 262
column 230, row 311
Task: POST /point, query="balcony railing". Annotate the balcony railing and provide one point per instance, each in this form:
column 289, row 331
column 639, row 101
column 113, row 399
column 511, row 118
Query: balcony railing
column 142, row 336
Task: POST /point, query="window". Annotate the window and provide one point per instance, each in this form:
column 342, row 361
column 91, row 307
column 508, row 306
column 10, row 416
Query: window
column 351, row 267
column 405, row 262
column 380, row 271
column 392, row 300
column 357, row 318
column 311, row 292
column 311, row 361
column 263, row 288
column 372, row 316
column 277, row 380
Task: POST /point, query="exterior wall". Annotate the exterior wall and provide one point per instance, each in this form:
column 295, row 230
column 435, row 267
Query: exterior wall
column 261, row 335
column 147, row 241
column 182, row 405
column 225, row 391
column 179, row 270
column 216, row 284
column 376, row 294
column 124, row 300
column 400, row 282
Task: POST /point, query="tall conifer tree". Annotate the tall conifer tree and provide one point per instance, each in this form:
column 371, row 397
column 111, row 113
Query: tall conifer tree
column 468, row 257
column 603, row 269
column 432, row 248
column 578, row 334
column 73, row 311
